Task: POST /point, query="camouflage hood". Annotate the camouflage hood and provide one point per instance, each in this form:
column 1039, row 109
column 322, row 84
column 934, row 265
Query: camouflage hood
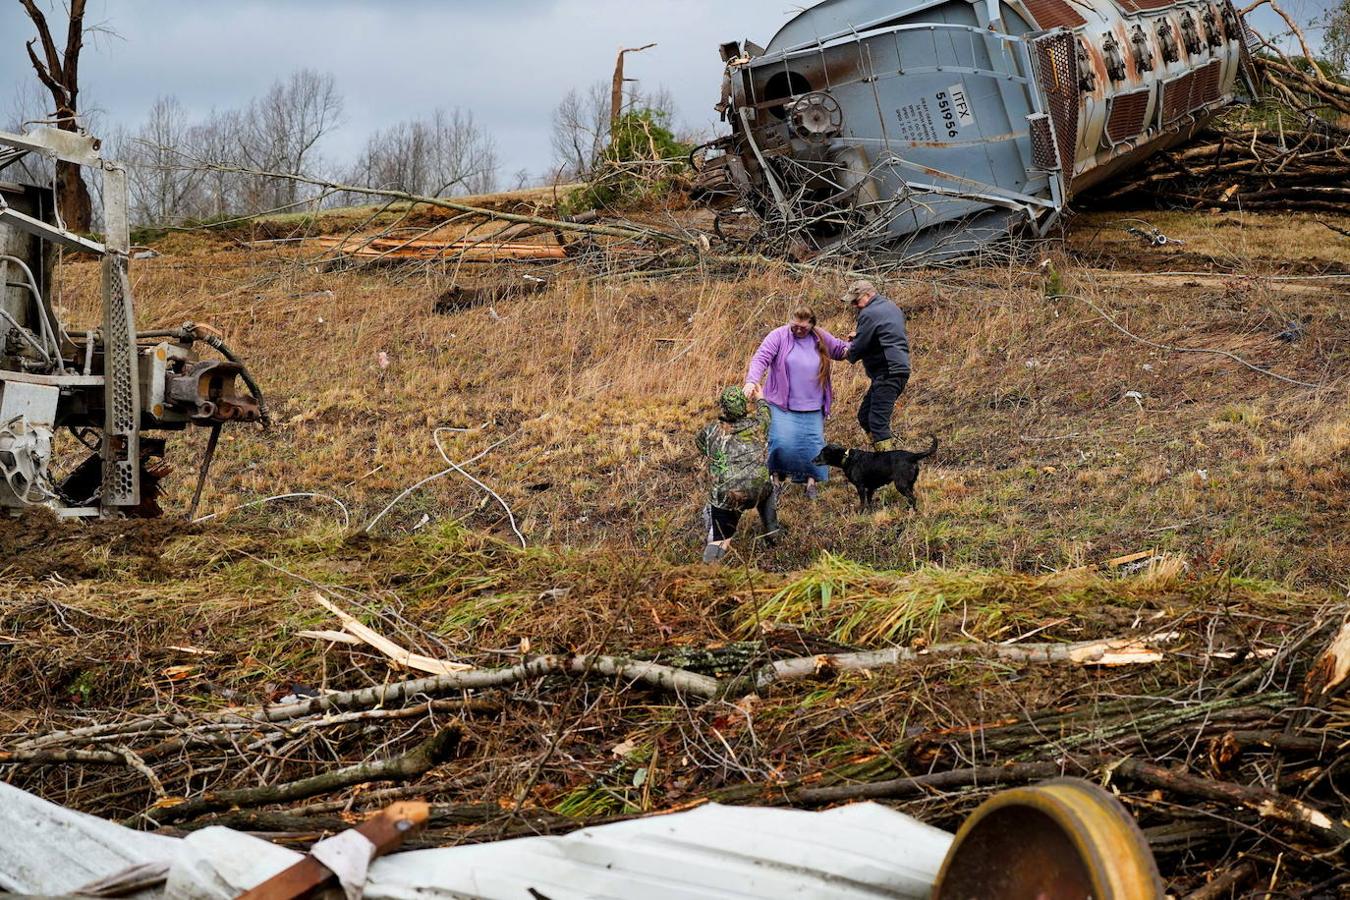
column 733, row 404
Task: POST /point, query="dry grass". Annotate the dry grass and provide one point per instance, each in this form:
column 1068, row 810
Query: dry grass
column 598, row 385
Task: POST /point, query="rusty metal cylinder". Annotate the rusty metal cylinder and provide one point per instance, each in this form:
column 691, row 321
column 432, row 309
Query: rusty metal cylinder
column 1065, row 839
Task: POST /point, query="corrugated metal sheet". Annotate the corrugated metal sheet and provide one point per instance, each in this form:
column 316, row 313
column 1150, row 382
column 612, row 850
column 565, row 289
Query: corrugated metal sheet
column 47, row 849
column 864, row 850
column 1054, row 14
column 859, row 851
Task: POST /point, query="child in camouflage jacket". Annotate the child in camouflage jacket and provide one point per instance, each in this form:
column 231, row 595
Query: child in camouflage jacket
column 736, row 448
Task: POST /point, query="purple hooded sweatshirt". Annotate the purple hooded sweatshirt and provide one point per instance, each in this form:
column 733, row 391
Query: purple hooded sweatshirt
column 772, row 356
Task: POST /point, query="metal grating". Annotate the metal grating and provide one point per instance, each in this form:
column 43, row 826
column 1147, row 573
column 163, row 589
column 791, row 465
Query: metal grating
column 1057, row 72
column 1207, row 85
column 1126, row 119
column 1189, row 92
column 121, row 441
column 1043, row 154
column 1054, row 14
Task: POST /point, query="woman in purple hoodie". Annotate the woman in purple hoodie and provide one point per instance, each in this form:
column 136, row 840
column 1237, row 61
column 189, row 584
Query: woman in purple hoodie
column 796, row 360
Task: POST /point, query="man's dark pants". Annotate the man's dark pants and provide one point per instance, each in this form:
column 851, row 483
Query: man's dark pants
column 874, row 413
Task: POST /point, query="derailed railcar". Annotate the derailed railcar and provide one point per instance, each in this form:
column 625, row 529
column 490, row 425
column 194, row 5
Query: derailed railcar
column 932, row 128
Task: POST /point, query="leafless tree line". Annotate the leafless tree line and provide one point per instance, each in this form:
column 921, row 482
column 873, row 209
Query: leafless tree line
column 184, row 168
column 441, row 155
column 581, row 124
column 286, row 131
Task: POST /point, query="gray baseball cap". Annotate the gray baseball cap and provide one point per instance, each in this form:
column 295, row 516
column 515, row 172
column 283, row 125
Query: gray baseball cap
column 857, row 289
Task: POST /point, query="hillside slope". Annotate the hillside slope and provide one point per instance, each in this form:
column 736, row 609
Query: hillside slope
column 1063, row 439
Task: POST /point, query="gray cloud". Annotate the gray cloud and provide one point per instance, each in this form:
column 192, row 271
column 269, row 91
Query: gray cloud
column 509, row 62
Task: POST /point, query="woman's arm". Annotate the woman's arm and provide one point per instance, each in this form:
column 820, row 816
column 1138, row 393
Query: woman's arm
column 836, row 348
column 760, row 362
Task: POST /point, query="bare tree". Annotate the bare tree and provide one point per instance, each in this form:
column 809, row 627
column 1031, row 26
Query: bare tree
column 161, row 190
column 581, row 123
column 438, row 157
column 1336, row 37
column 581, row 129
column 28, row 104
column 59, row 72
column 218, row 139
column 281, row 132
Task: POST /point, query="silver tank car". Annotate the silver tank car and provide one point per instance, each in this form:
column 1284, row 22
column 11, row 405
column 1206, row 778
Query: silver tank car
column 932, row 128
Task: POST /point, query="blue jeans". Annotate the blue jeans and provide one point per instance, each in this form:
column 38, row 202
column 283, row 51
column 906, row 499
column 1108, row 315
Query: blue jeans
column 794, row 440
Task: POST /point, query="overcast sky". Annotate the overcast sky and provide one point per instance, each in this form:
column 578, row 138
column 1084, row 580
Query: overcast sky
column 508, row 61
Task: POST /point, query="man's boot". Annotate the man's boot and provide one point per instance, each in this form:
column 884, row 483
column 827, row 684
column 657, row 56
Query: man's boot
column 714, row 553
column 885, row 445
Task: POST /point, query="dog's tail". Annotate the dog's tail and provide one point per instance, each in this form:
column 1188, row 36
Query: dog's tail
column 929, row 452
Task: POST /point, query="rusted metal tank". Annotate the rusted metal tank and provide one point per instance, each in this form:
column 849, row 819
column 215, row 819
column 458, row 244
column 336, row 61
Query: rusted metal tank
column 931, row 128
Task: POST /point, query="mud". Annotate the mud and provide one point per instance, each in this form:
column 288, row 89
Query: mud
column 38, row 545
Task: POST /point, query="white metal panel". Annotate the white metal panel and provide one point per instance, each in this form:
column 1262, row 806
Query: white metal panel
column 48, row 849
column 859, row 851
column 34, row 402
column 865, row 850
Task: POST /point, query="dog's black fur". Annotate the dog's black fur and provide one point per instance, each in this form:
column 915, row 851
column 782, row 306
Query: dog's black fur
column 869, row 471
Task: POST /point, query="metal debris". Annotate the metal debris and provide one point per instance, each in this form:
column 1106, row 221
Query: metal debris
column 931, row 131
column 109, row 385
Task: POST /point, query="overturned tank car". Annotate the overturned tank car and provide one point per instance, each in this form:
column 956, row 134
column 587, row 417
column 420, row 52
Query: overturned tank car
column 102, row 392
column 932, row 128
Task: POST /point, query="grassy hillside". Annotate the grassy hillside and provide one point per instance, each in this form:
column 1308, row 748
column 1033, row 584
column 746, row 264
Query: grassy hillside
column 1063, row 439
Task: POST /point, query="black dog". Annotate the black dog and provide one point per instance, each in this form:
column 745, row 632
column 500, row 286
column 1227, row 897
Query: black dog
column 869, row 471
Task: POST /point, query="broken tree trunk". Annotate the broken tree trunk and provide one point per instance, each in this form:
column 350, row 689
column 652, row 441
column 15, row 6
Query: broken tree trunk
column 1109, row 652
column 1275, row 807
column 415, row 762
column 1330, row 672
column 616, row 89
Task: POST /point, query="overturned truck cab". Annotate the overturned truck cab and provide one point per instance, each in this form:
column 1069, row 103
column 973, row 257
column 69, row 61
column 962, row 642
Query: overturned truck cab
column 929, row 129
column 99, row 392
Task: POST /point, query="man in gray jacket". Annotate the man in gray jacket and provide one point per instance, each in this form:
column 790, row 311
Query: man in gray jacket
column 882, row 345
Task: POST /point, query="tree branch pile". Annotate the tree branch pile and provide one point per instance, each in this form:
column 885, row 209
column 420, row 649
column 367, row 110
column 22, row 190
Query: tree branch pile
column 1232, row 759
column 1298, row 167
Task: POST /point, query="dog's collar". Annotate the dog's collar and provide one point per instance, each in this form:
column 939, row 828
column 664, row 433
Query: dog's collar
column 848, row 454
